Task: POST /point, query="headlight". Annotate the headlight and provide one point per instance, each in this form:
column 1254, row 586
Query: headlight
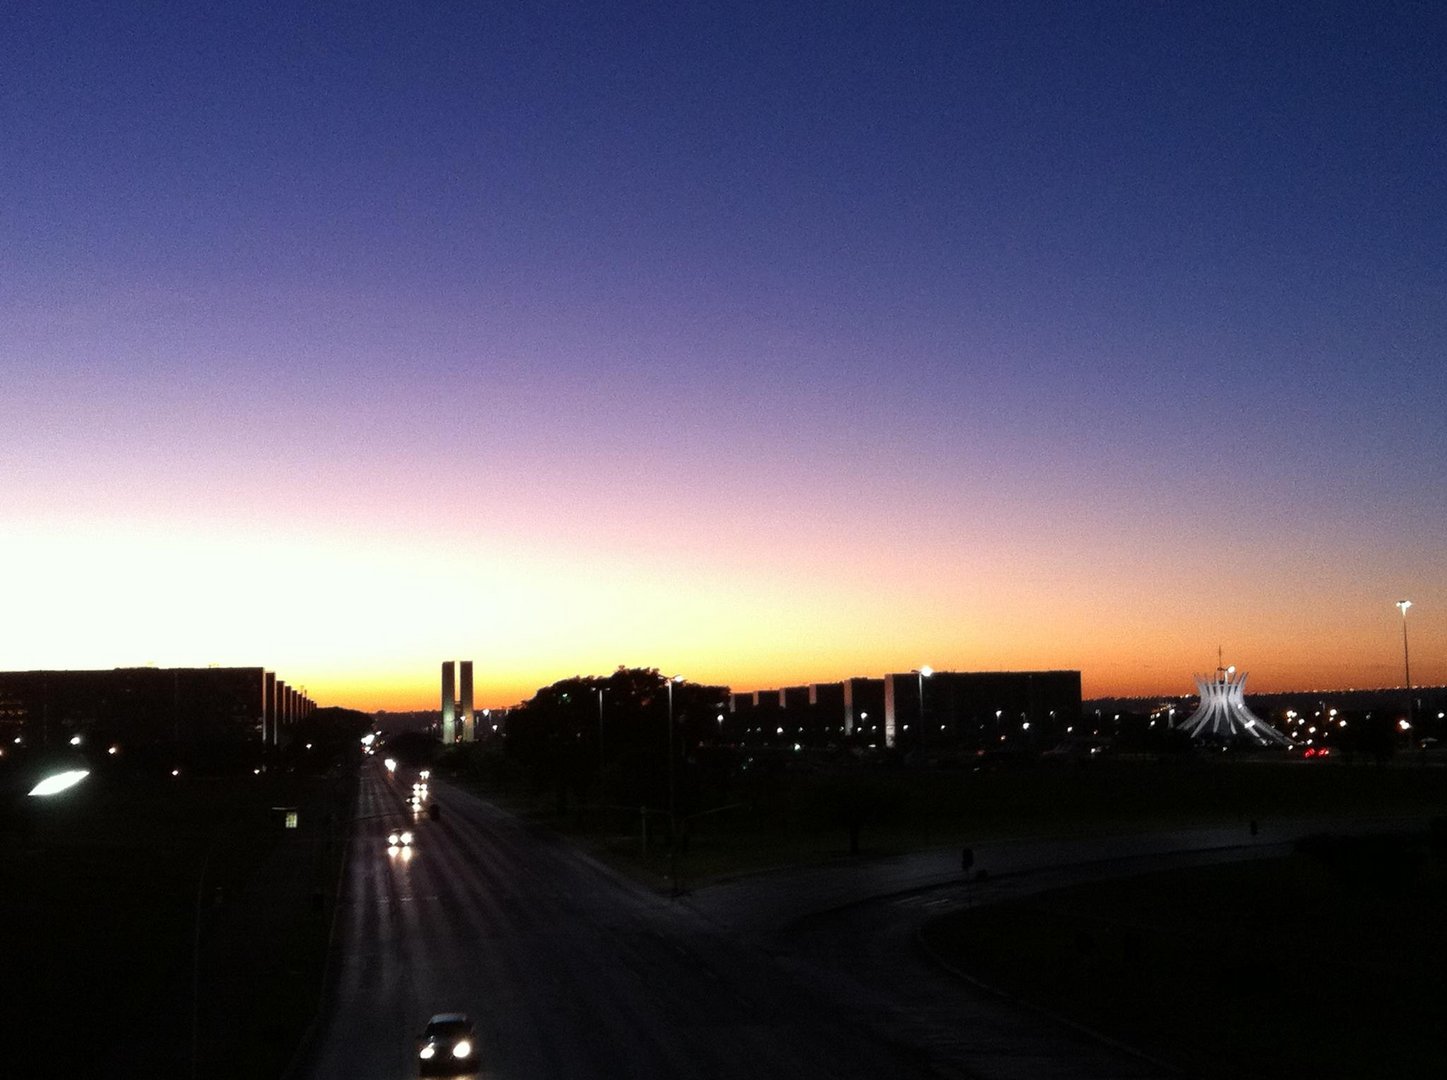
column 426, row 1052
column 462, row 1048
column 406, row 838
column 392, row 839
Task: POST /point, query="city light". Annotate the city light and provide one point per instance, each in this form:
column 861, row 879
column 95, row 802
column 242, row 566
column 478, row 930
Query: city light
column 58, row 782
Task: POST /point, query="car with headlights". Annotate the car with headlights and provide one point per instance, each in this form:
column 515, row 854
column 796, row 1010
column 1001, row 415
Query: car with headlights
column 447, row 1045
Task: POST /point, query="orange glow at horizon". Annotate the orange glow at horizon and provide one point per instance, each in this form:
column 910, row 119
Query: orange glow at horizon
column 364, row 622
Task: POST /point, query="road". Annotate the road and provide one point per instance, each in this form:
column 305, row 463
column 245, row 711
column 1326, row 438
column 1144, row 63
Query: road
column 571, row 971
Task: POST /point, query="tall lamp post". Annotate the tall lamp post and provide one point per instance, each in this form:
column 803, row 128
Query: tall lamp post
column 600, row 731
column 923, row 673
column 672, row 796
column 1406, row 662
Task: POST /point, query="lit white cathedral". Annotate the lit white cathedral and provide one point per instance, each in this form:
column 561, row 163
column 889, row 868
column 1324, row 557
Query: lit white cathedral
column 1223, row 714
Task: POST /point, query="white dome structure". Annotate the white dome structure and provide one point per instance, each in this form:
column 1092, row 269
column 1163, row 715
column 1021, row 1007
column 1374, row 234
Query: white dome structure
column 1223, row 715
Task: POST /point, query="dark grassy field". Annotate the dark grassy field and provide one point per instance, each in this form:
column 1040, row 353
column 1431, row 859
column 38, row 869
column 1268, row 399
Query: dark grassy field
column 801, row 815
column 102, row 892
column 1327, row 964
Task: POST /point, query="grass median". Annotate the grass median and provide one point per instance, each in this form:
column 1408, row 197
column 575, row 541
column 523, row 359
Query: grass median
column 807, row 813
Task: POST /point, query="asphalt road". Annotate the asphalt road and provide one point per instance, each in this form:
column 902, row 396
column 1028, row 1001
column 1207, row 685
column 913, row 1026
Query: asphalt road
column 571, row 971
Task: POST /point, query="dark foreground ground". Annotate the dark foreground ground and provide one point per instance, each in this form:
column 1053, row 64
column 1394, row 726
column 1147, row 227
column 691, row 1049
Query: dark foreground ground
column 166, row 927
column 1331, row 962
column 808, row 813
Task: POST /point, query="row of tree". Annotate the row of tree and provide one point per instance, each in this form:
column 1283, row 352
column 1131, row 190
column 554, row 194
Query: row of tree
column 610, row 737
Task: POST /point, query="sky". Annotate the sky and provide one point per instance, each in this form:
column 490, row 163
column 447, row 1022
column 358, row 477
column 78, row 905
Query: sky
column 765, row 343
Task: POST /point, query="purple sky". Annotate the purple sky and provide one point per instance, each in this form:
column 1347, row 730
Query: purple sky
column 777, row 341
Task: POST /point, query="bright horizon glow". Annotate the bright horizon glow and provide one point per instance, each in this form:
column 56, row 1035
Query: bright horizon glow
column 378, row 618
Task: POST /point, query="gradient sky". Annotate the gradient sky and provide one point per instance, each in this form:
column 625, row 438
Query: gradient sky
column 768, row 343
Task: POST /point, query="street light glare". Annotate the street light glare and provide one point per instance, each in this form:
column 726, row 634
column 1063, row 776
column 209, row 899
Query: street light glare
column 58, row 782
column 1404, row 605
column 926, row 671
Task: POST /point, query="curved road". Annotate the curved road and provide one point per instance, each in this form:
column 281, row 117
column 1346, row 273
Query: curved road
column 571, row 971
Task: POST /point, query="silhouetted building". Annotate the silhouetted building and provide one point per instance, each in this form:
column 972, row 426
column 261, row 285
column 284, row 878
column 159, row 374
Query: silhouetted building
column 794, row 698
column 864, row 708
column 149, row 705
column 984, row 708
column 826, row 709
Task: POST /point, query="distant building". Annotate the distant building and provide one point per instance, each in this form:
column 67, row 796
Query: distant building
column 458, row 723
column 826, row 709
column 794, row 698
column 1223, row 716
column 150, row 705
column 863, row 707
column 984, row 707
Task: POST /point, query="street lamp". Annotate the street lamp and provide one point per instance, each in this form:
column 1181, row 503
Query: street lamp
column 672, row 795
column 55, row 783
column 600, row 730
column 1406, row 663
column 924, row 673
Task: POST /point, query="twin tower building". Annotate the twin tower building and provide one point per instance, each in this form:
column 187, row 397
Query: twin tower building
column 458, row 724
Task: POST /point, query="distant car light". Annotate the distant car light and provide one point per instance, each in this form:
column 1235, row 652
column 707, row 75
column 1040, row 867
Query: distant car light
column 393, row 838
column 406, row 838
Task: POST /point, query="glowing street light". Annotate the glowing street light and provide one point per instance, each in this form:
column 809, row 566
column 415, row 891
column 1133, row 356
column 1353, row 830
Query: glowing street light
column 55, row 783
column 1406, row 663
column 924, row 673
